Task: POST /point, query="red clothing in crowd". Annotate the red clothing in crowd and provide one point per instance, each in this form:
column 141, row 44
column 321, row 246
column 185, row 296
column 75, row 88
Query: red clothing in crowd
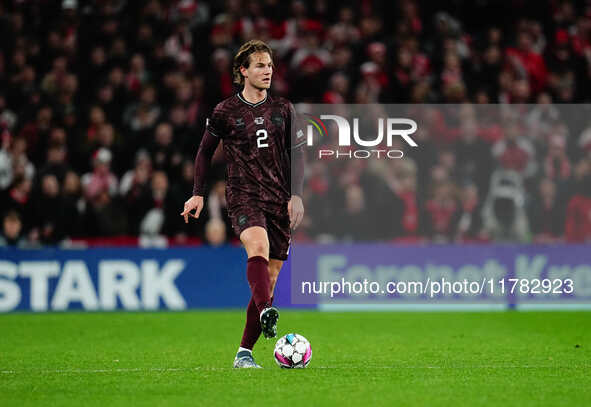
column 410, row 217
column 578, row 219
column 442, row 217
column 534, row 65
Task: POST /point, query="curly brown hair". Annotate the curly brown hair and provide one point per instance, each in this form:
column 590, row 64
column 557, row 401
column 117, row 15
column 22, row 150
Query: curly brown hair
column 242, row 58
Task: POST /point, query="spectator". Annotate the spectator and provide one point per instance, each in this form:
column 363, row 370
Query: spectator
column 542, row 120
column 138, row 75
column 221, row 76
column 503, row 214
column 441, row 213
column 217, row 207
column 514, row 152
column 214, row 208
column 215, row 232
column 48, row 219
column 56, row 162
column 157, row 206
column 547, row 215
column 143, row 115
column 73, row 206
column 406, row 189
column 135, row 181
column 134, row 187
column 36, row 134
column 13, row 153
column 100, row 179
column 339, row 89
column 17, row 198
column 526, row 62
column 12, row 231
column 96, row 118
column 470, row 222
column 557, row 165
column 104, row 217
column 107, row 102
column 165, row 155
column 8, row 118
column 54, row 79
column 356, row 212
column 473, row 155
column 578, row 213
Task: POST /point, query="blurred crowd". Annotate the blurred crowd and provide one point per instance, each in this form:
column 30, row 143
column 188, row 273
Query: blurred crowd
column 103, row 105
column 480, row 173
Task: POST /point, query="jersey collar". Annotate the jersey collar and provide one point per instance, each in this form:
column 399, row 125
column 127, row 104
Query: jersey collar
column 239, row 94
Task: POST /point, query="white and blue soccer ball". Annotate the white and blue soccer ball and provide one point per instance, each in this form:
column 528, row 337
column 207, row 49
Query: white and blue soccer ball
column 293, row 351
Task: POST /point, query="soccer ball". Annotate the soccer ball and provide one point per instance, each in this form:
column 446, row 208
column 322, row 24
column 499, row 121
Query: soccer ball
column 293, row 351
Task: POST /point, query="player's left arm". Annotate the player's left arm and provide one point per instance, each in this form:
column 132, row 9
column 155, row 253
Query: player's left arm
column 295, row 207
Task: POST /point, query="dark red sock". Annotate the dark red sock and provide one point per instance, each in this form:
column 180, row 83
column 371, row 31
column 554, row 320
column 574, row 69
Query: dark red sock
column 257, row 273
column 252, row 329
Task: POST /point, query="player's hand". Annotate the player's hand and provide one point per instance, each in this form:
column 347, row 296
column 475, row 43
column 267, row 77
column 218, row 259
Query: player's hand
column 295, row 208
column 195, row 202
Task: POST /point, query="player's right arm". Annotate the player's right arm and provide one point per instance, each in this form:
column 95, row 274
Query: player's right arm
column 209, row 143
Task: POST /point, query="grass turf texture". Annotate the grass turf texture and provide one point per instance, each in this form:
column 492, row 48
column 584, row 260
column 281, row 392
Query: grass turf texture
column 390, row 359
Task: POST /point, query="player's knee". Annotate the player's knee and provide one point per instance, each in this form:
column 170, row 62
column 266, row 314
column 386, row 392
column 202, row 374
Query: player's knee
column 259, row 248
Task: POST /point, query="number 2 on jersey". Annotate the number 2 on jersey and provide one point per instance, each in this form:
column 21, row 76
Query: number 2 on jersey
column 261, row 136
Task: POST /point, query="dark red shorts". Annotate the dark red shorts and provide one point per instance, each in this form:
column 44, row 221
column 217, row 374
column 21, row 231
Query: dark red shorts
column 276, row 223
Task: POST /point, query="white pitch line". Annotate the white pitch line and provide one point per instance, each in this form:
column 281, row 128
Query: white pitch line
column 162, row 369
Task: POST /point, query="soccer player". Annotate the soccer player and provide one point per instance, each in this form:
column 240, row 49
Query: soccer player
column 264, row 203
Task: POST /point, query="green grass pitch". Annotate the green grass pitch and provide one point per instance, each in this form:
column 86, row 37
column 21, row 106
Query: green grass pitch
column 368, row 359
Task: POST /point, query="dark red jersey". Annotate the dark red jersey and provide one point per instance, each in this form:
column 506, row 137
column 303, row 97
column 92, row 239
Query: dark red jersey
column 257, row 141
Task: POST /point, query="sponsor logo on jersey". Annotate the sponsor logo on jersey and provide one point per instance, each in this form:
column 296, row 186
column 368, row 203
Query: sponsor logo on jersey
column 259, row 120
column 242, row 219
column 277, row 119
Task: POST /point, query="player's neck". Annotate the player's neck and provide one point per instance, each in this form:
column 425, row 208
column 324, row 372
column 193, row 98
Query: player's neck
column 253, row 95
